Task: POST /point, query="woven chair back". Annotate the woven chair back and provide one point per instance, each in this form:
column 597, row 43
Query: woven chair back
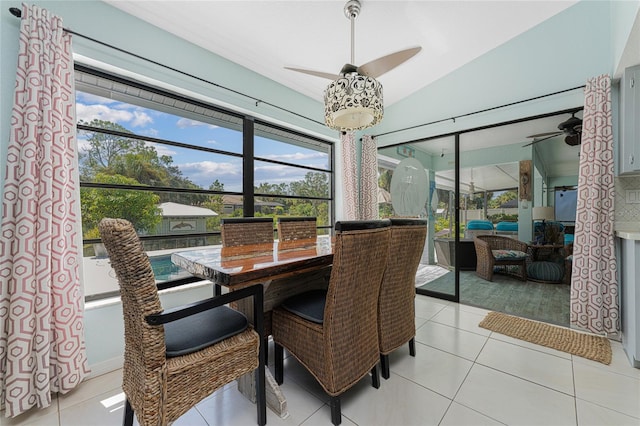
column 351, row 335
column 396, row 306
column 144, row 344
column 297, row 228
column 246, row 230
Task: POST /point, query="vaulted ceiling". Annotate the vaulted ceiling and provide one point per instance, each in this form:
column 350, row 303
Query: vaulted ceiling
column 266, row 36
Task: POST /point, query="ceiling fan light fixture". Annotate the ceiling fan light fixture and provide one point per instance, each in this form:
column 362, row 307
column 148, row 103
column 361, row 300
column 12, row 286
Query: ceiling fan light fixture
column 353, row 102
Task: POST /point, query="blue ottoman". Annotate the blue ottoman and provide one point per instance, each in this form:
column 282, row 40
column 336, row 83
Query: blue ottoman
column 545, row 272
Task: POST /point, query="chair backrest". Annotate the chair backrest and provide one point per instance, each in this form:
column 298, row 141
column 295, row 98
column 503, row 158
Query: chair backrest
column 296, row 228
column 144, row 344
column 396, row 306
column 351, row 335
column 501, row 242
column 241, row 231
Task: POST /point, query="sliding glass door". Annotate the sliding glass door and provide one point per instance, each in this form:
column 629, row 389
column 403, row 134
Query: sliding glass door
column 419, row 180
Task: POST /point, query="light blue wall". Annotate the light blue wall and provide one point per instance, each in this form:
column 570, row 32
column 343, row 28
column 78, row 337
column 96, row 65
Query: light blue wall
column 560, row 53
column 623, row 15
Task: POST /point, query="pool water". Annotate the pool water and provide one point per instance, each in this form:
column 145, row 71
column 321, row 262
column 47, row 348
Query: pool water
column 165, row 270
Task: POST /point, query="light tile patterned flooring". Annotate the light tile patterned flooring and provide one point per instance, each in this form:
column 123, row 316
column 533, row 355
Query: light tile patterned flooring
column 461, row 375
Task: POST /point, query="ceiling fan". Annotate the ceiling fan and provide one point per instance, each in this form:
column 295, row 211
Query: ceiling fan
column 572, row 128
column 353, row 100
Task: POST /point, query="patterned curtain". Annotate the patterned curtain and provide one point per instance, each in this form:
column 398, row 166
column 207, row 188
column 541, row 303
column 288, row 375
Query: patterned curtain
column 594, row 286
column 360, row 189
column 350, row 177
column 41, row 302
column 369, row 179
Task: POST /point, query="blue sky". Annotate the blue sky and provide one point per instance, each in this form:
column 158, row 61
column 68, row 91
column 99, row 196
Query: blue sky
column 200, row 167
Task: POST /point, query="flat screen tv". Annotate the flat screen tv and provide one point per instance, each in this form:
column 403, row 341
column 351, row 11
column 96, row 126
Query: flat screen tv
column 565, row 204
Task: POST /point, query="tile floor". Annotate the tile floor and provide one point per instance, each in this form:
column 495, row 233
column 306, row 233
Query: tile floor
column 461, row 375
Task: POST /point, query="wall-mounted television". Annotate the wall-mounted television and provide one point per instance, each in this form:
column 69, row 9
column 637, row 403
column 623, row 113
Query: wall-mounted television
column 566, row 200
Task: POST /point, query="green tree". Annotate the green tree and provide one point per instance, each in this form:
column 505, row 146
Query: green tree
column 501, row 199
column 135, row 159
column 314, row 184
column 384, row 180
column 138, row 207
column 275, row 189
column 215, row 203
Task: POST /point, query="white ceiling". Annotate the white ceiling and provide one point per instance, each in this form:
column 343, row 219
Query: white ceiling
column 266, row 35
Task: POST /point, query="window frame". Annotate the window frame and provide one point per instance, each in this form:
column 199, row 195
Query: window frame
column 247, row 155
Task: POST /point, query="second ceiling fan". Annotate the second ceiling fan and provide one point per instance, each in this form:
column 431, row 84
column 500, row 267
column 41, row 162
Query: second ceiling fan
column 572, row 128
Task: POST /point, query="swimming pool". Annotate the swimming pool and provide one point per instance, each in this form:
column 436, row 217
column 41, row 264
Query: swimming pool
column 165, row 270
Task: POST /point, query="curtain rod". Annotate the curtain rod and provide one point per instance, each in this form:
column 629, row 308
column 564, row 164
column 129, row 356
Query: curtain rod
column 480, row 111
column 18, row 14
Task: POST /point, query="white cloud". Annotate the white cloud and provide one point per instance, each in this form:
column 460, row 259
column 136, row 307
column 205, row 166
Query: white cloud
column 163, row 149
column 275, row 173
column 183, row 123
column 121, row 116
column 311, row 159
column 101, row 112
column 204, row 173
column 141, row 119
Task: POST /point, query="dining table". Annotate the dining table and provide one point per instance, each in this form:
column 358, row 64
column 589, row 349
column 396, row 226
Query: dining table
column 284, row 268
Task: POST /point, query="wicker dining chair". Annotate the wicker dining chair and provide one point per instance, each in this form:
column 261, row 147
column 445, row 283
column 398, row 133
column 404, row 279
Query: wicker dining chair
column 240, row 231
column 296, row 228
column 396, row 304
column 174, row 358
column 495, row 250
column 334, row 332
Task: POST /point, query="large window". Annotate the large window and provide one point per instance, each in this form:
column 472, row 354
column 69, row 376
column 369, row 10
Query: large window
column 174, row 166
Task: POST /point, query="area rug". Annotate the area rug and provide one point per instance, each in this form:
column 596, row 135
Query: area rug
column 596, row 348
column 536, row 301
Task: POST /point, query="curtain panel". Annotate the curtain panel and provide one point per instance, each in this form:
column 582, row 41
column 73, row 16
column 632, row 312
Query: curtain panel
column 42, row 348
column 369, row 179
column 594, row 285
column 350, row 176
column 360, row 185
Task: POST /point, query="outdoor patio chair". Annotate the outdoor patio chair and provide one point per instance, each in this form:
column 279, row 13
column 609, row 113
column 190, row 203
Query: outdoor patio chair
column 498, row 251
column 334, row 332
column 396, row 303
column 175, row 358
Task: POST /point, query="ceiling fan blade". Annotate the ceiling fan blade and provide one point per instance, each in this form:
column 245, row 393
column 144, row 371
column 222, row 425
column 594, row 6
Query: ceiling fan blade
column 315, row 73
column 543, row 139
column 539, row 135
column 379, row 66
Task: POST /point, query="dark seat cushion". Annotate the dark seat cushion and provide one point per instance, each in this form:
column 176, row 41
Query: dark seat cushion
column 203, row 329
column 308, row 305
